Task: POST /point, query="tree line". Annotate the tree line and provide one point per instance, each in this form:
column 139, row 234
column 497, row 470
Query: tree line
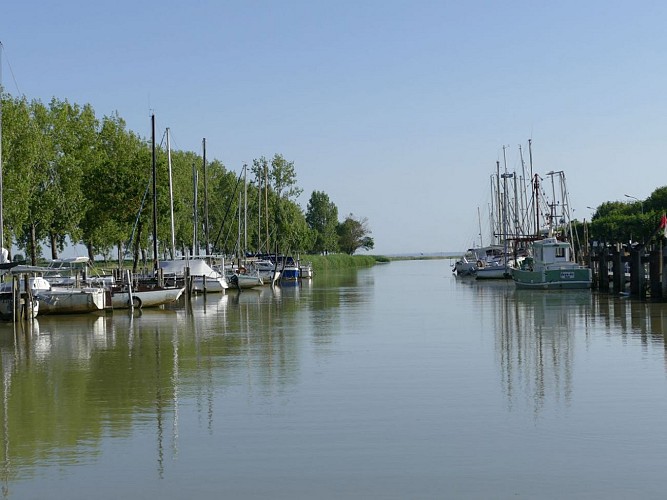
column 68, row 175
column 631, row 221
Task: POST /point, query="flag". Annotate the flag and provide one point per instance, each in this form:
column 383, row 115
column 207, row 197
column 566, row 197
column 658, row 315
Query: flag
column 663, row 224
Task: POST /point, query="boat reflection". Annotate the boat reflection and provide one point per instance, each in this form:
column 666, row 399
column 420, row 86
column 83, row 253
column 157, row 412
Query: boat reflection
column 535, row 338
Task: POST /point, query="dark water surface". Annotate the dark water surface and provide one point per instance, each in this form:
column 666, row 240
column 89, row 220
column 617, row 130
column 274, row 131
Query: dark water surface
column 395, row 382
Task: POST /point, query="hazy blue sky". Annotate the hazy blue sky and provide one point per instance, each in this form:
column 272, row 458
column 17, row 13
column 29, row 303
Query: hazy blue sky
column 398, row 110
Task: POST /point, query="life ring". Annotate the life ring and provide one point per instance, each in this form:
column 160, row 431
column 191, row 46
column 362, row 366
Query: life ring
column 480, row 263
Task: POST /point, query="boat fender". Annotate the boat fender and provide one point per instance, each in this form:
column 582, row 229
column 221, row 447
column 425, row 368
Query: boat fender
column 136, row 302
column 480, row 263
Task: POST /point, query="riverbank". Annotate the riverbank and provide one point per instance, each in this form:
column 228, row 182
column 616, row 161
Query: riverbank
column 342, row 261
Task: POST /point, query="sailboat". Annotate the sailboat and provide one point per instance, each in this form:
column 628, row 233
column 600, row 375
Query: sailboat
column 498, row 268
column 204, row 278
column 151, row 292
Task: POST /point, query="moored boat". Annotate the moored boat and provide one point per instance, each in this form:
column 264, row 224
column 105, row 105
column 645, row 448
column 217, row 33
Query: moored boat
column 59, row 300
column 204, row 277
column 473, row 258
column 143, row 296
column 551, row 268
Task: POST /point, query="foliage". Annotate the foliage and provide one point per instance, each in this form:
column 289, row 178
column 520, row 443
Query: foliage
column 354, row 234
column 69, row 176
column 322, row 218
column 638, row 221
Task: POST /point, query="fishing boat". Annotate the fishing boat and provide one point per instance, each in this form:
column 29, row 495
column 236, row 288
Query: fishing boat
column 551, row 268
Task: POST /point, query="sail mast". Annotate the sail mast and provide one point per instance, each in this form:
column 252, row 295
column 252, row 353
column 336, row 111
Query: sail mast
column 171, row 199
column 205, row 200
column 156, row 264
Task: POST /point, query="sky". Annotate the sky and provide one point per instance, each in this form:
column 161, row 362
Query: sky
column 397, row 110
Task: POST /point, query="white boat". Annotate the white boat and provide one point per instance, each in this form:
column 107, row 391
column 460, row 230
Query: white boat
column 551, row 268
column 266, row 269
column 494, row 270
column 473, row 258
column 144, row 296
column 204, row 277
column 60, row 300
column 241, row 279
column 74, row 271
column 305, row 270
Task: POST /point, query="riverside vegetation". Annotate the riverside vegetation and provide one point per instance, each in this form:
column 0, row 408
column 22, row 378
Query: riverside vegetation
column 72, row 177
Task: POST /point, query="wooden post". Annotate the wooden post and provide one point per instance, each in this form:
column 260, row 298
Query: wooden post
column 655, row 269
column 618, row 269
column 188, row 282
column 636, row 272
column 603, row 269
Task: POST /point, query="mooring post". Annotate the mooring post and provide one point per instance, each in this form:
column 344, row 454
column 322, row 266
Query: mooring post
column 603, row 269
column 655, row 271
column 618, row 269
column 636, row 272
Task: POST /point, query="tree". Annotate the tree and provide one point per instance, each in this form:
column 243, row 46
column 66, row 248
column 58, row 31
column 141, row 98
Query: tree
column 322, row 218
column 115, row 187
column 74, row 132
column 353, row 234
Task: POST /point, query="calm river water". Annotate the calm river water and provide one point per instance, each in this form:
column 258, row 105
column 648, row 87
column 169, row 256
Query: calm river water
column 396, row 382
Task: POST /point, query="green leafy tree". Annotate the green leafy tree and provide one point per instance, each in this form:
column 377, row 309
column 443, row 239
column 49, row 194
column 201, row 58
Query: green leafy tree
column 19, row 152
column 322, row 218
column 74, row 138
column 115, row 189
column 285, row 218
column 353, row 234
column 37, row 168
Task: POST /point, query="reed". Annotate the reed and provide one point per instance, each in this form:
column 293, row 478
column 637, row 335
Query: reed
column 342, row 261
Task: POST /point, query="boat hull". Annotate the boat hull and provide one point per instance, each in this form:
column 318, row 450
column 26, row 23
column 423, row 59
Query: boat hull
column 553, row 279
column 290, row 273
column 70, row 301
column 493, row 273
column 145, row 298
column 203, row 284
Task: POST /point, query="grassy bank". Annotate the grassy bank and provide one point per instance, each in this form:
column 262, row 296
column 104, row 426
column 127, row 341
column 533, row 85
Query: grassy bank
column 342, row 261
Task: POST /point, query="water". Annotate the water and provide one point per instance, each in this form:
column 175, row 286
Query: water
column 395, row 382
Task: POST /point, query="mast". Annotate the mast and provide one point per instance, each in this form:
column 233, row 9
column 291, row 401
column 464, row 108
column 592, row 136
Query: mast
column 259, row 211
column 266, row 205
column 479, row 221
column 499, row 208
column 195, row 180
column 205, row 200
column 171, row 199
column 245, row 209
column 505, row 176
column 535, row 211
column 156, row 264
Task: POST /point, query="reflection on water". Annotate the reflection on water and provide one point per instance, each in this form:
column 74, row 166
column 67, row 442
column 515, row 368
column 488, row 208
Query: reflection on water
column 535, row 339
column 69, row 381
column 359, row 371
